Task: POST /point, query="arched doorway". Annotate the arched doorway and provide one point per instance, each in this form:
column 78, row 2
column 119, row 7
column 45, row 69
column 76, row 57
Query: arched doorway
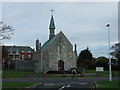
column 60, row 65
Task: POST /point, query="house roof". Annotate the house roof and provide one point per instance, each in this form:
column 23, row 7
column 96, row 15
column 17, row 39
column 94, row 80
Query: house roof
column 102, row 57
column 21, row 48
column 14, row 49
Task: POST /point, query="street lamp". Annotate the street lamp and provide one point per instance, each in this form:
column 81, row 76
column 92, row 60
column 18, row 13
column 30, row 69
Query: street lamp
column 110, row 72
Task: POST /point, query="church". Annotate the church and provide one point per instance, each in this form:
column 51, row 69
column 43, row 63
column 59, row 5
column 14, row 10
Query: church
column 56, row 54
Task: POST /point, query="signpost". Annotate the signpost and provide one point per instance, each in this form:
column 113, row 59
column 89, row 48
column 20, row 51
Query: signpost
column 110, row 63
column 8, row 63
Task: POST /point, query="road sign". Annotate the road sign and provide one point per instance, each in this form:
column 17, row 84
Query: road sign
column 99, row 69
column 8, row 62
column 110, row 63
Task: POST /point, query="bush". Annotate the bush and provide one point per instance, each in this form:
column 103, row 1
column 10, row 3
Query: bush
column 11, row 66
column 102, row 63
column 92, row 65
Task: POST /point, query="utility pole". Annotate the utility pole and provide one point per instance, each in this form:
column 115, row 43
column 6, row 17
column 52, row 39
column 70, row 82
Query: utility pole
column 110, row 72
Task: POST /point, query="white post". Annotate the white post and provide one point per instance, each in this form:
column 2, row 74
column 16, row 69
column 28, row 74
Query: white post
column 110, row 72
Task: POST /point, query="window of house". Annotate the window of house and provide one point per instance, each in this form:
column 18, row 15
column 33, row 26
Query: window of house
column 16, row 56
column 23, row 51
column 23, row 57
column 29, row 51
column 11, row 56
column 17, row 51
column 29, row 56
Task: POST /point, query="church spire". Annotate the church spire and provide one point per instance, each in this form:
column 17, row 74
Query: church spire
column 52, row 25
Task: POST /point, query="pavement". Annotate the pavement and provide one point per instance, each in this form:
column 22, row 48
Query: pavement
column 58, row 83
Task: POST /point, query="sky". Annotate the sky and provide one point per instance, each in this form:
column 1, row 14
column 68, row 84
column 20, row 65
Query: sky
column 83, row 23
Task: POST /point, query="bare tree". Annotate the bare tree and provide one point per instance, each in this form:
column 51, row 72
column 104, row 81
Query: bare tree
column 116, row 53
column 5, row 31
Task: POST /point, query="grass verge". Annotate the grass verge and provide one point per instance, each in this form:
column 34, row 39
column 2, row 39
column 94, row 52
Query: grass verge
column 17, row 74
column 104, row 73
column 26, row 74
column 108, row 85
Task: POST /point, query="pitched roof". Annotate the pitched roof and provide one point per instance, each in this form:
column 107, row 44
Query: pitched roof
column 47, row 43
column 14, row 49
column 25, row 48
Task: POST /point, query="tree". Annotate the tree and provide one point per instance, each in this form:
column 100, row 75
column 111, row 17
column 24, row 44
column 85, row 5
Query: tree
column 5, row 31
column 116, row 52
column 12, row 64
column 102, row 62
column 85, row 57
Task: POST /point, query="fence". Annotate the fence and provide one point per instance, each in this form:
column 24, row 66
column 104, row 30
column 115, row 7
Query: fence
column 25, row 65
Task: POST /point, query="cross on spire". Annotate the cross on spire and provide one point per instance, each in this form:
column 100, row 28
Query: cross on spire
column 52, row 10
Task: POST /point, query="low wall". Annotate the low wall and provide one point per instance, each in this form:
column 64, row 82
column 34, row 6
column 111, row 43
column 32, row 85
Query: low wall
column 25, row 65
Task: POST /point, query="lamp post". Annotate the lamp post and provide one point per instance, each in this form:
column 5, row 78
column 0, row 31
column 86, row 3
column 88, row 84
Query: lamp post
column 110, row 72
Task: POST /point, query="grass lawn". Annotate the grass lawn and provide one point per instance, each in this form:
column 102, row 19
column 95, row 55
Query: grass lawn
column 94, row 71
column 16, row 86
column 26, row 74
column 108, row 84
column 0, row 75
column 17, row 74
column 105, row 73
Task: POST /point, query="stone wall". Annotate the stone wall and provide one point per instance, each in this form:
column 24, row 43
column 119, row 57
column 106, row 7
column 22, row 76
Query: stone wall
column 25, row 65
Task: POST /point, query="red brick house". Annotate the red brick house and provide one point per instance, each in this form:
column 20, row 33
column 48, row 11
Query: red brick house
column 17, row 52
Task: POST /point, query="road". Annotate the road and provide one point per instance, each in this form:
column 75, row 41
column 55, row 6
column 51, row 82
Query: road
column 58, row 83
column 62, row 84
